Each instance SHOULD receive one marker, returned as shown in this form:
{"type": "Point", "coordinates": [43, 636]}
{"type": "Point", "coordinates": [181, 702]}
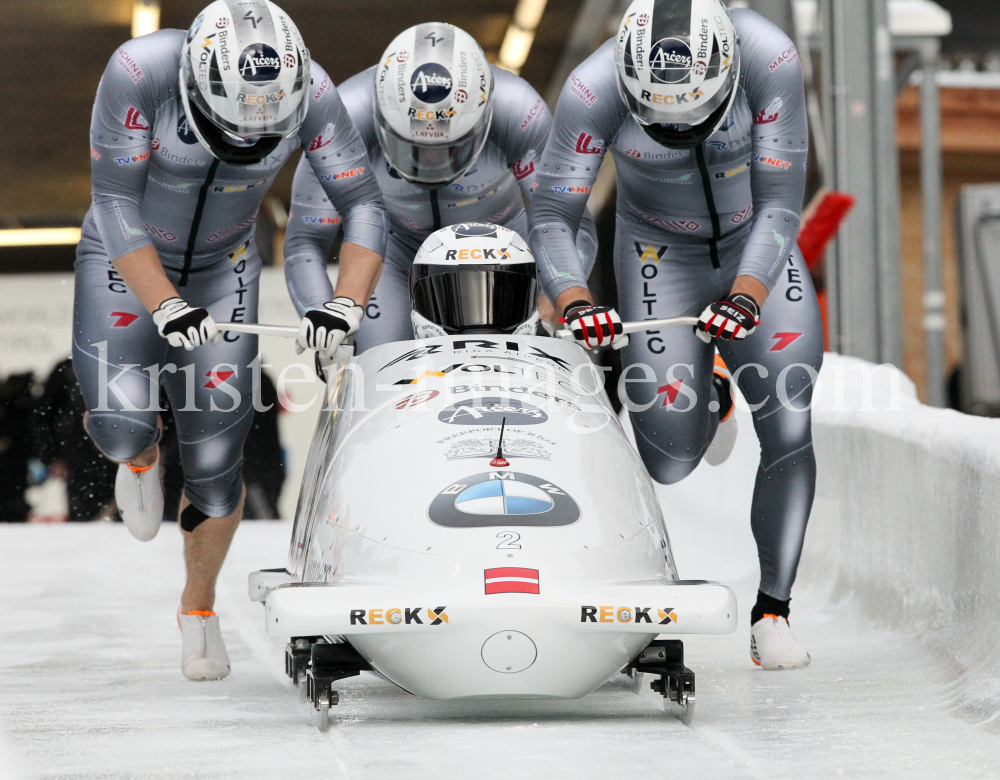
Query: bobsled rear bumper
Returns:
{"type": "Point", "coordinates": [305, 609]}
{"type": "Point", "coordinates": [443, 642]}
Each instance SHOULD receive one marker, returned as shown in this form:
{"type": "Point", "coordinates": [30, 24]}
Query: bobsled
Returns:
{"type": "Point", "coordinates": [474, 523]}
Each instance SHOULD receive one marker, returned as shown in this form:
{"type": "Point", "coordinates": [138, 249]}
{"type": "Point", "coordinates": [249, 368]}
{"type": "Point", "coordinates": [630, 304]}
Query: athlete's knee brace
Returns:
{"type": "Point", "coordinates": [192, 517]}
{"type": "Point", "coordinates": [121, 436]}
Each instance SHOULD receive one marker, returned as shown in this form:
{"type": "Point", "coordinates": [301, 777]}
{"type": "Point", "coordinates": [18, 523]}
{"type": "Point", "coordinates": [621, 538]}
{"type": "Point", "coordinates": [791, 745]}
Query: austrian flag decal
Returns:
{"type": "Point", "coordinates": [511, 580]}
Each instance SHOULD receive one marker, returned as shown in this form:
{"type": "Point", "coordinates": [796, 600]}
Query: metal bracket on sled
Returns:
{"type": "Point", "coordinates": [315, 665]}
{"type": "Point", "coordinates": [664, 658]}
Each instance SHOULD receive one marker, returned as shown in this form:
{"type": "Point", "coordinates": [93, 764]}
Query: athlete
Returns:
{"type": "Point", "coordinates": [452, 140]}
{"type": "Point", "coordinates": [704, 113]}
{"type": "Point", "coordinates": [188, 132]}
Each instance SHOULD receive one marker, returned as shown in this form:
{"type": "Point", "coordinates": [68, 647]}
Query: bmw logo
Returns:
{"type": "Point", "coordinates": [503, 498]}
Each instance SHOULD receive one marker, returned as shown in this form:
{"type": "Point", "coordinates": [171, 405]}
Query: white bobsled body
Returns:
{"type": "Point", "coordinates": [457, 578]}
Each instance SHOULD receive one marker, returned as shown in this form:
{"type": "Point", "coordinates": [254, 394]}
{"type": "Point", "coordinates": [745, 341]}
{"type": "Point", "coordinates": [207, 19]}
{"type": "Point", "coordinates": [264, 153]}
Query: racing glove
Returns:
{"type": "Point", "coordinates": [595, 326]}
{"type": "Point", "coordinates": [183, 326]}
{"type": "Point", "coordinates": [324, 329]}
{"type": "Point", "coordinates": [734, 318]}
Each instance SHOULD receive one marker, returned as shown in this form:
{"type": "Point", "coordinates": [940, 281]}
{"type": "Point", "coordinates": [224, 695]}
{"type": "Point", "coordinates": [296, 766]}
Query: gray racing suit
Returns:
{"type": "Point", "coordinates": [493, 191]}
{"type": "Point", "coordinates": [689, 221]}
{"type": "Point", "coordinates": [154, 184]}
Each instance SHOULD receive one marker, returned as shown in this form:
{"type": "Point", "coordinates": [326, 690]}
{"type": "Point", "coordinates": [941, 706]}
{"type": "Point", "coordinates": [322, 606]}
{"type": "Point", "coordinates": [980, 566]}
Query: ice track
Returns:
{"type": "Point", "coordinates": [90, 685]}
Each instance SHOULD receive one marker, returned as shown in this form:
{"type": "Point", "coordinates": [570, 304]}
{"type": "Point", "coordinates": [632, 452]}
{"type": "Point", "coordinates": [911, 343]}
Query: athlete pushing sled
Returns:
{"type": "Point", "coordinates": [703, 110]}
{"type": "Point", "coordinates": [188, 132]}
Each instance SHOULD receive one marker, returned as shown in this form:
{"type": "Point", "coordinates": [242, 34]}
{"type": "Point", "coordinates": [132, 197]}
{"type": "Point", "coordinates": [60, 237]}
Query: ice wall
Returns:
{"type": "Point", "coordinates": [907, 520]}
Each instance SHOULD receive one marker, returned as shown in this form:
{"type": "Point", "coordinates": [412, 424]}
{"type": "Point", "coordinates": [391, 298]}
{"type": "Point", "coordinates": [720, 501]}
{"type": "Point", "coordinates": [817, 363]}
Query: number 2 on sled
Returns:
{"type": "Point", "coordinates": [508, 540]}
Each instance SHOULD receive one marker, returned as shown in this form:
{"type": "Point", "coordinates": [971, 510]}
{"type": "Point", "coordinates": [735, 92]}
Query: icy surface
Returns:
{"type": "Point", "coordinates": [90, 682]}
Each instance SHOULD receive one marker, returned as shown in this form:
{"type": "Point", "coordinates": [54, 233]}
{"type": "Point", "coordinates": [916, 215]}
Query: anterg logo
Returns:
{"type": "Point", "coordinates": [670, 61]}
{"type": "Point", "coordinates": [184, 131]}
{"type": "Point", "coordinates": [259, 64]}
{"type": "Point", "coordinates": [431, 82]}
{"type": "Point", "coordinates": [492, 411]}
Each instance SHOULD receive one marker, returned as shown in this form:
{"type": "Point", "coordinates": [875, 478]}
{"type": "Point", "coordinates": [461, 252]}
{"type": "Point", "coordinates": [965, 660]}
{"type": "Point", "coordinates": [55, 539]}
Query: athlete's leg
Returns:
{"type": "Point", "coordinates": [788, 346]}
{"type": "Point", "coordinates": [116, 354]}
{"type": "Point", "coordinates": [205, 550]}
{"type": "Point", "coordinates": [666, 373]}
{"type": "Point", "coordinates": [212, 397]}
{"type": "Point", "coordinates": [387, 316]}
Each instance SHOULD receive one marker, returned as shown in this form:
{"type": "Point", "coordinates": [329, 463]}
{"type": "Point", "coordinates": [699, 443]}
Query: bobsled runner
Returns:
{"type": "Point", "coordinates": [472, 523]}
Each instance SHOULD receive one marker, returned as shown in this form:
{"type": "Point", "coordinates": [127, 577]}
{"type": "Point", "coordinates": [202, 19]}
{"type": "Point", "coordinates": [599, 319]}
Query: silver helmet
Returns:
{"type": "Point", "coordinates": [244, 79]}
{"type": "Point", "coordinates": [433, 106]}
{"type": "Point", "coordinates": [678, 64]}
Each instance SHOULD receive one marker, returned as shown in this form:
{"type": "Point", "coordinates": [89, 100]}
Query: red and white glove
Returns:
{"type": "Point", "coordinates": [732, 319]}
{"type": "Point", "coordinates": [324, 329]}
{"type": "Point", "coordinates": [595, 326]}
{"type": "Point", "coordinates": [184, 326]}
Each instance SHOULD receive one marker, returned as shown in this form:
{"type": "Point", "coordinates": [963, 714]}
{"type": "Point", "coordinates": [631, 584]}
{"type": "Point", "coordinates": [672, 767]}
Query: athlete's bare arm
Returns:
{"type": "Point", "coordinates": [143, 273]}
{"type": "Point", "coordinates": [358, 273]}
{"type": "Point", "coordinates": [750, 285]}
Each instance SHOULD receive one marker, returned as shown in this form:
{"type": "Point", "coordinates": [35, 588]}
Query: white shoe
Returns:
{"type": "Point", "coordinates": [773, 645]}
{"type": "Point", "coordinates": [139, 495]}
{"type": "Point", "coordinates": [204, 655]}
{"type": "Point", "coordinates": [721, 448]}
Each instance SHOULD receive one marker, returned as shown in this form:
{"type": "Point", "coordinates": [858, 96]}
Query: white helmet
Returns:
{"type": "Point", "coordinates": [432, 103]}
{"type": "Point", "coordinates": [473, 278]}
{"type": "Point", "coordinates": [678, 63]}
{"type": "Point", "coordinates": [244, 78]}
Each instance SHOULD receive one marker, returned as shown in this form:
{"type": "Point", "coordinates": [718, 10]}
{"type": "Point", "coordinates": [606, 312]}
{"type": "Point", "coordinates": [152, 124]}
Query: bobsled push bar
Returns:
{"type": "Point", "coordinates": [282, 331]}
{"type": "Point", "coordinates": [637, 327]}
{"type": "Point", "coordinates": [291, 331]}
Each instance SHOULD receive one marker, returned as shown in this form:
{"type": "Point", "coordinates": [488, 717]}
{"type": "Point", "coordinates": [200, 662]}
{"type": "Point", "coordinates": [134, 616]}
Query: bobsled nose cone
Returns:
{"type": "Point", "coordinates": [508, 652]}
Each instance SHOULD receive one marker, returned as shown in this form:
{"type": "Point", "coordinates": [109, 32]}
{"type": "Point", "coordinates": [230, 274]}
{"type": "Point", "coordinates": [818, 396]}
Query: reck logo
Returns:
{"type": "Point", "coordinates": [432, 115]}
{"type": "Point", "coordinates": [664, 616]}
{"type": "Point", "coordinates": [477, 254]}
{"type": "Point", "coordinates": [394, 616]}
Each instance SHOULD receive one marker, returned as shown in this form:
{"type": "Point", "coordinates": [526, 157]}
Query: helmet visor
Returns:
{"type": "Point", "coordinates": [474, 299]}
{"type": "Point", "coordinates": [257, 115]}
{"type": "Point", "coordinates": [432, 164]}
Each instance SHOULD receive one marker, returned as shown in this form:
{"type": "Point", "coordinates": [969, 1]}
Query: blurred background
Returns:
{"type": "Point", "coordinates": [905, 120]}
